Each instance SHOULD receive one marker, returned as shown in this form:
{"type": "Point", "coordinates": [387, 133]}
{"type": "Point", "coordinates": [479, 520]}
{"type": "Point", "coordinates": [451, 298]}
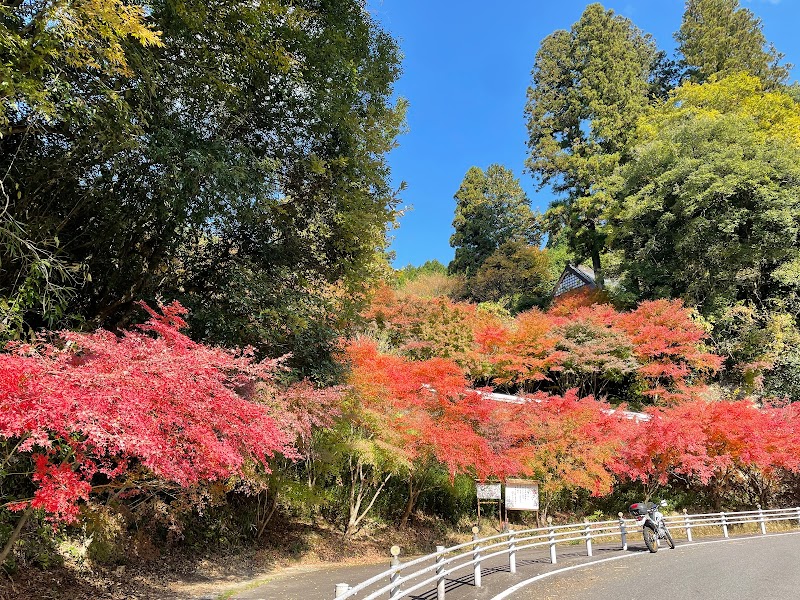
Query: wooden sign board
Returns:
{"type": "Point", "coordinates": [488, 491]}
{"type": "Point", "coordinates": [522, 494]}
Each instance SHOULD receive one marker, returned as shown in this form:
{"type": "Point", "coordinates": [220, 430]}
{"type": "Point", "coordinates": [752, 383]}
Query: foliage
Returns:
{"type": "Point", "coordinates": [669, 346]}
{"type": "Point", "coordinates": [426, 407]}
{"type": "Point", "coordinates": [708, 207]}
{"type": "Point", "coordinates": [423, 328]}
{"type": "Point", "coordinates": [60, 62]}
{"type": "Point", "coordinates": [430, 280]}
{"type": "Point", "coordinates": [565, 443]}
{"type": "Point", "coordinates": [248, 156]}
{"type": "Point", "coordinates": [656, 352]}
{"type": "Point", "coordinates": [491, 209]}
{"type": "Point", "coordinates": [703, 441]}
{"type": "Point", "coordinates": [90, 408]}
{"type": "Point", "coordinates": [516, 275]}
{"type": "Point", "coordinates": [46, 44]}
{"type": "Point", "coordinates": [410, 273]}
{"type": "Point", "coordinates": [589, 85]}
{"type": "Point", "coordinates": [719, 37]}
{"type": "Point", "coordinates": [412, 416]}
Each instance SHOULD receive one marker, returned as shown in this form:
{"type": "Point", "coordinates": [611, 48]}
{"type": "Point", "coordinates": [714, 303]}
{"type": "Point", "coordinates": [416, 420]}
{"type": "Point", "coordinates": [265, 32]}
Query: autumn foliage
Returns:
{"type": "Point", "coordinates": [89, 407]}
{"type": "Point", "coordinates": [88, 413]}
{"type": "Point", "coordinates": [581, 342]}
{"type": "Point", "coordinates": [566, 365]}
{"type": "Point", "coordinates": [426, 409]}
{"type": "Point", "coordinates": [705, 441]}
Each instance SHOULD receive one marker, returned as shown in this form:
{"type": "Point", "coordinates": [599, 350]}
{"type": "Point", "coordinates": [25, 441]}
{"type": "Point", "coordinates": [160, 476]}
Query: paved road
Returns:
{"type": "Point", "coordinates": [759, 568]}
{"type": "Point", "coordinates": [762, 567]}
{"type": "Point", "coordinates": [310, 584]}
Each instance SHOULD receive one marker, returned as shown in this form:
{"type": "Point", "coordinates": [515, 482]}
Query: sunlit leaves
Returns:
{"type": "Point", "coordinates": [719, 37]}
{"type": "Point", "coordinates": [708, 208]}
{"type": "Point", "coordinates": [95, 405]}
{"type": "Point", "coordinates": [41, 38]}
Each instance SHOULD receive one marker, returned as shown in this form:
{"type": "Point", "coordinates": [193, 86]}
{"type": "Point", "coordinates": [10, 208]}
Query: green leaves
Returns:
{"type": "Point", "coordinates": [491, 209]}
{"type": "Point", "coordinates": [46, 45]}
{"type": "Point", "coordinates": [718, 37]}
{"type": "Point", "coordinates": [238, 164]}
{"type": "Point", "coordinates": [589, 86]}
{"type": "Point", "coordinates": [709, 206]}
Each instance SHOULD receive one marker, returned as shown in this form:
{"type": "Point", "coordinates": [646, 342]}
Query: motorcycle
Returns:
{"type": "Point", "coordinates": [653, 526]}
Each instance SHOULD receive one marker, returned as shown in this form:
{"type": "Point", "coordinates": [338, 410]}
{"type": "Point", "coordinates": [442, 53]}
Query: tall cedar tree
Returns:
{"type": "Point", "coordinates": [589, 86]}
{"type": "Point", "coordinates": [718, 37]}
{"type": "Point", "coordinates": [491, 209]}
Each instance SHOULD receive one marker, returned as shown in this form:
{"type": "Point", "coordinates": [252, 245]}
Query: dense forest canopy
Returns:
{"type": "Point", "coordinates": [230, 155]}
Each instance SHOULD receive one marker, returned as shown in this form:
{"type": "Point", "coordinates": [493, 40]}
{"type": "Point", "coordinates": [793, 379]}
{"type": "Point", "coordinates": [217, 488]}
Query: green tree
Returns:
{"type": "Point", "coordinates": [60, 63]}
{"type": "Point", "coordinates": [710, 206]}
{"type": "Point", "coordinates": [718, 37]}
{"type": "Point", "coordinates": [516, 275]}
{"type": "Point", "coordinates": [246, 177]}
{"type": "Point", "coordinates": [51, 51]}
{"type": "Point", "coordinates": [411, 273]}
{"type": "Point", "coordinates": [491, 209]}
{"type": "Point", "coordinates": [431, 280]}
{"type": "Point", "coordinates": [589, 86]}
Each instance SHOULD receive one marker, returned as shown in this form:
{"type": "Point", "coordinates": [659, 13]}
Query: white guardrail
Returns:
{"type": "Point", "coordinates": [433, 569]}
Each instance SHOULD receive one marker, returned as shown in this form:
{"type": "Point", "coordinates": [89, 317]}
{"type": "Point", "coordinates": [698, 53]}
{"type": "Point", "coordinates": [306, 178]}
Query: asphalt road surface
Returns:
{"type": "Point", "coordinates": [757, 568]}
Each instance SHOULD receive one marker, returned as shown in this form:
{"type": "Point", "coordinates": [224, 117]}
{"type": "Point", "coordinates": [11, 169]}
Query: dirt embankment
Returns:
{"type": "Point", "coordinates": [175, 574]}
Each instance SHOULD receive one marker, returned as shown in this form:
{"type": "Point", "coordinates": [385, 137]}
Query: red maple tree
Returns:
{"type": "Point", "coordinates": [86, 408]}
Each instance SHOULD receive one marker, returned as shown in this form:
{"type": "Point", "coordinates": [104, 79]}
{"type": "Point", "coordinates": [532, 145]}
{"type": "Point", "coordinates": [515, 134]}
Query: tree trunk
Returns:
{"type": "Point", "coordinates": [356, 514]}
{"type": "Point", "coordinates": [597, 266]}
{"type": "Point", "coordinates": [15, 534]}
{"type": "Point", "coordinates": [270, 506]}
{"type": "Point", "coordinates": [413, 496]}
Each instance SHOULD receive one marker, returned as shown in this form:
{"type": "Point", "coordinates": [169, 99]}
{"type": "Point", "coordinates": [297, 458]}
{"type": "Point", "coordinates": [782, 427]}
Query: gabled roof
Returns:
{"type": "Point", "coordinates": [573, 278]}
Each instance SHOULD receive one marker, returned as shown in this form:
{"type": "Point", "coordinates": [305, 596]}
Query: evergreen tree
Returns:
{"type": "Point", "coordinates": [718, 37]}
{"type": "Point", "coordinates": [589, 86]}
{"type": "Point", "coordinates": [491, 209]}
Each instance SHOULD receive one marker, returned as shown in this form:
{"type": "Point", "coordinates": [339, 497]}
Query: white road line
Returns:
{"type": "Point", "coordinates": [522, 584]}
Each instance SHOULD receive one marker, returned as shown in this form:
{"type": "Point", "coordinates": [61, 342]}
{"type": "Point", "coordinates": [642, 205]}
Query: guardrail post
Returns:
{"type": "Point", "coordinates": [798, 515]}
{"type": "Point", "coordinates": [552, 541]}
{"type": "Point", "coordinates": [623, 532]}
{"type": "Point", "coordinates": [587, 532]}
{"type": "Point", "coordinates": [476, 557]}
{"type": "Point", "coordinates": [394, 591]}
{"type": "Point", "coordinates": [512, 553]}
{"type": "Point", "coordinates": [341, 590]}
{"type": "Point", "coordinates": [761, 520]}
{"type": "Point", "coordinates": [439, 568]}
{"type": "Point", "coordinates": [687, 525]}
{"type": "Point", "coordinates": [724, 524]}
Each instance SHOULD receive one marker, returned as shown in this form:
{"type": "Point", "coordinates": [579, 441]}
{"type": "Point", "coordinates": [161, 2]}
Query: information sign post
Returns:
{"type": "Point", "coordinates": [488, 493]}
{"type": "Point", "coordinates": [522, 494]}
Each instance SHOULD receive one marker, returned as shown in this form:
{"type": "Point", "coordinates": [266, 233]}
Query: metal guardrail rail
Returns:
{"type": "Point", "coordinates": [402, 579]}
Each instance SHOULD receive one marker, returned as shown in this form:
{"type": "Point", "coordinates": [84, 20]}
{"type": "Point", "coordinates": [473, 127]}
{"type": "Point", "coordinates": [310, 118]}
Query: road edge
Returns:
{"type": "Point", "coordinates": [518, 586]}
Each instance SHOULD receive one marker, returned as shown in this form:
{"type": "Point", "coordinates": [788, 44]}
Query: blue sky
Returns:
{"type": "Point", "coordinates": [466, 69]}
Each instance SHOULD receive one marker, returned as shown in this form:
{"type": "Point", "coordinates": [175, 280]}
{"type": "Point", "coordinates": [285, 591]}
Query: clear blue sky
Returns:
{"type": "Point", "coordinates": [466, 69]}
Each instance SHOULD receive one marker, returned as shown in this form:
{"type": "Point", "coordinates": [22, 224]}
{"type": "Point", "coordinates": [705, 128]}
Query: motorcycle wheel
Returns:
{"type": "Point", "coordinates": [650, 539]}
{"type": "Point", "coordinates": [668, 535]}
